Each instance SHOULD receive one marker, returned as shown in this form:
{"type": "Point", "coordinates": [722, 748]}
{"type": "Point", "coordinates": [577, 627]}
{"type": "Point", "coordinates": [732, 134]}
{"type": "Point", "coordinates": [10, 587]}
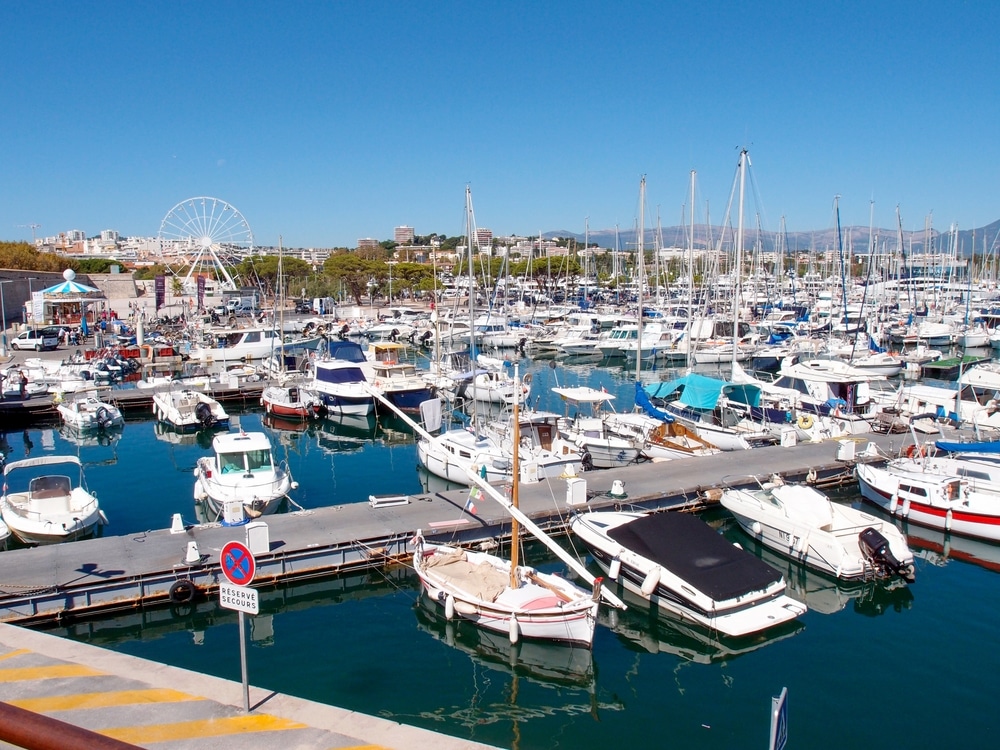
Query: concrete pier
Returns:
{"type": "Point", "coordinates": [147, 704]}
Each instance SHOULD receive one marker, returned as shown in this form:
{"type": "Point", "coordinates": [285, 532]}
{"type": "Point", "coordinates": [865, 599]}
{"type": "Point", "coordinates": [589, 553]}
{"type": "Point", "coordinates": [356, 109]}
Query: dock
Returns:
{"type": "Point", "coordinates": [57, 692]}
{"type": "Point", "coordinates": [181, 565]}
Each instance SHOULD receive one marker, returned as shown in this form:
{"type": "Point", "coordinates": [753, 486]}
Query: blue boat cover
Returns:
{"type": "Point", "coordinates": [987, 446]}
{"type": "Point", "coordinates": [700, 392]}
{"type": "Point", "coordinates": [643, 402]}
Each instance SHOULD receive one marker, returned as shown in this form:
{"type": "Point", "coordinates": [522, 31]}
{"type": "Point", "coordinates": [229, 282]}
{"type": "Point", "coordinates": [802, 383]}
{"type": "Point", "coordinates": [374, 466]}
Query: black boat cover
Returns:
{"type": "Point", "coordinates": [692, 550]}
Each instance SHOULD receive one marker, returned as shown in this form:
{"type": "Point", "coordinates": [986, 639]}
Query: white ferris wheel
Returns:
{"type": "Point", "coordinates": [206, 233]}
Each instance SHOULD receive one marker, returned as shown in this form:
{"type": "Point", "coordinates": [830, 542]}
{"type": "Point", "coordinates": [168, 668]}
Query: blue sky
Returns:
{"type": "Point", "coordinates": [325, 122]}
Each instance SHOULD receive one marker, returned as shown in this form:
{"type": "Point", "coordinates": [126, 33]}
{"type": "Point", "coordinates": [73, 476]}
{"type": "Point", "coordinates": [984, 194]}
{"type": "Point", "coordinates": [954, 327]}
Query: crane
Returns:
{"type": "Point", "coordinates": [32, 227]}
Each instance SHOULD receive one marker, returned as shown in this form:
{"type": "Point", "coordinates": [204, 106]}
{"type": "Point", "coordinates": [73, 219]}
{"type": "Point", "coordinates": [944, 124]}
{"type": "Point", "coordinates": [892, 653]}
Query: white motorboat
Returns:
{"type": "Point", "coordinates": [683, 566]}
{"type": "Point", "coordinates": [240, 480]}
{"type": "Point", "coordinates": [544, 453]}
{"type": "Point", "coordinates": [189, 410]}
{"type": "Point", "coordinates": [243, 344]}
{"type": "Point", "coordinates": [41, 507]}
{"type": "Point", "coordinates": [803, 524]}
{"type": "Point", "coordinates": [940, 501]}
{"type": "Point", "coordinates": [89, 413]}
{"type": "Point", "coordinates": [589, 432]}
{"type": "Point", "coordinates": [289, 399]}
{"type": "Point", "coordinates": [339, 380]}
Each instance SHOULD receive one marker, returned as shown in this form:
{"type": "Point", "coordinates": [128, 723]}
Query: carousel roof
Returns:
{"type": "Point", "coordinates": [69, 287]}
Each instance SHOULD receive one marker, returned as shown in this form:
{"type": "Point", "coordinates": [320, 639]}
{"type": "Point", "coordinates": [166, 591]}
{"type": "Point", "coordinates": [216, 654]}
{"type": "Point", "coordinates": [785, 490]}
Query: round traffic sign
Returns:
{"type": "Point", "coordinates": [238, 565]}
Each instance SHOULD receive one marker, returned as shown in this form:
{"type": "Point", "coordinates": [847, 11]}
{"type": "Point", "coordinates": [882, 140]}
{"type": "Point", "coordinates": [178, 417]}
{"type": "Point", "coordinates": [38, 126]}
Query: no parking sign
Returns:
{"type": "Point", "coordinates": [238, 564]}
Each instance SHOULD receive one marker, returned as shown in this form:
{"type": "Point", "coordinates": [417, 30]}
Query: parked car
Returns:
{"type": "Point", "coordinates": [303, 307]}
{"type": "Point", "coordinates": [40, 339]}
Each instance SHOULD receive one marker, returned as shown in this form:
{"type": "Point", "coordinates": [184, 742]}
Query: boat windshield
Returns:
{"type": "Point", "coordinates": [255, 460]}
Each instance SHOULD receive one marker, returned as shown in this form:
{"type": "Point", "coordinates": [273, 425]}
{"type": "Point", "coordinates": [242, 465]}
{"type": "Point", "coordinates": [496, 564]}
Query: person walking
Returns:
{"type": "Point", "coordinates": [23, 380]}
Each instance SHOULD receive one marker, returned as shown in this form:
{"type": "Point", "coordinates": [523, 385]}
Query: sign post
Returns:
{"type": "Point", "coordinates": [239, 568]}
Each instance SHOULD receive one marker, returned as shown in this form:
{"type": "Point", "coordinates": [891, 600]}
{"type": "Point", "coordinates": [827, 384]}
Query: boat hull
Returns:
{"type": "Point", "coordinates": [542, 607]}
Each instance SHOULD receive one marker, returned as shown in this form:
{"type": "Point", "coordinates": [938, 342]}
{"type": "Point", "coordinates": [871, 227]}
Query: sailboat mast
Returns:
{"type": "Point", "coordinates": [739, 260]}
{"type": "Point", "coordinates": [515, 480]}
{"type": "Point", "coordinates": [472, 295]}
{"type": "Point", "coordinates": [691, 321]}
{"type": "Point", "coordinates": [640, 265]}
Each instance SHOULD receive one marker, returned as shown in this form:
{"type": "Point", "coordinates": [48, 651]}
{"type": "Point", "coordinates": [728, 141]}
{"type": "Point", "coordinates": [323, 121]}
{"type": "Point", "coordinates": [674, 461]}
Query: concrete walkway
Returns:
{"type": "Point", "coordinates": [153, 705]}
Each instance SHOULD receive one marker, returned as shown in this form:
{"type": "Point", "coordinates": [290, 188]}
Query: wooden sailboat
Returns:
{"type": "Point", "coordinates": [501, 594]}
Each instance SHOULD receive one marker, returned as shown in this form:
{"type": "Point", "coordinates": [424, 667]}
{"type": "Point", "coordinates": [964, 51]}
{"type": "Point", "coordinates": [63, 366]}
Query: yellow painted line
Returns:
{"type": "Point", "coordinates": [16, 652]}
{"type": "Point", "coordinates": [47, 672]}
{"type": "Point", "coordinates": [101, 700]}
{"type": "Point", "coordinates": [187, 730]}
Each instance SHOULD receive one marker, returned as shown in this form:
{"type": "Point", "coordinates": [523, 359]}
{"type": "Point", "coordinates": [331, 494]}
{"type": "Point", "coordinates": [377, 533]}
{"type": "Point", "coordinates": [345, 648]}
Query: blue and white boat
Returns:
{"type": "Point", "coordinates": [339, 380]}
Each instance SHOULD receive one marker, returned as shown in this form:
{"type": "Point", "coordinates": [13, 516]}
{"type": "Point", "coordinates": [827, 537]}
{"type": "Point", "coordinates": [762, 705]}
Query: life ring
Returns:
{"type": "Point", "coordinates": [805, 421]}
{"type": "Point", "coordinates": [182, 591]}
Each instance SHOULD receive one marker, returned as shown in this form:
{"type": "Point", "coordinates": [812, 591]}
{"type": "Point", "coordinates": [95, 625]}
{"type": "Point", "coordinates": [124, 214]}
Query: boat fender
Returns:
{"type": "Point", "coordinates": [182, 591]}
{"type": "Point", "coordinates": [515, 629]}
{"type": "Point", "coordinates": [755, 527]}
{"type": "Point", "coordinates": [893, 503]}
{"type": "Point", "coordinates": [651, 581]}
{"type": "Point", "coordinates": [615, 569]}
{"type": "Point", "coordinates": [805, 421]}
{"type": "Point", "coordinates": [449, 607]}
{"type": "Point", "coordinates": [947, 520]}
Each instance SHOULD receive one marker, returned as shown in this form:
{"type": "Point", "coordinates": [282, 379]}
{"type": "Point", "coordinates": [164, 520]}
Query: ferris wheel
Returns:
{"type": "Point", "coordinates": [206, 233]}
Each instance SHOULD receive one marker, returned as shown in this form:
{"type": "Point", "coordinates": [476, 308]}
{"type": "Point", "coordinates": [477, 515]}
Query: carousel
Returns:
{"type": "Point", "coordinates": [71, 303]}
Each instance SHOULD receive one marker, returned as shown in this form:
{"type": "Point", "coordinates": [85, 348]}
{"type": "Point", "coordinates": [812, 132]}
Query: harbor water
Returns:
{"type": "Point", "coordinates": [906, 666]}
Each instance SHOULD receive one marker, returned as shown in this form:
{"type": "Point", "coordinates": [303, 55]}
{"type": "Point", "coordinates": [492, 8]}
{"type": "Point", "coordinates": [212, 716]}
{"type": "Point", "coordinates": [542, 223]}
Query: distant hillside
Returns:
{"type": "Point", "coordinates": [817, 240]}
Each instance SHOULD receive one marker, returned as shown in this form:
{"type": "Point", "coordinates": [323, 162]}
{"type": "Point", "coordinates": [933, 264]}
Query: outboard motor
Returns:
{"type": "Point", "coordinates": [393, 334]}
{"type": "Point", "coordinates": [875, 548]}
{"type": "Point", "coordinates": [425, 337]}
{"type": "Point", "coordinates": [344, 330]}
{"type": "Point", "coordinates": [203, 412]}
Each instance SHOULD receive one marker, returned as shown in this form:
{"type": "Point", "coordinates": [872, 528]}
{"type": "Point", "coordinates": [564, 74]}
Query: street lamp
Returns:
{"type": "Point", "coordinates": [31, 302]}
{"type": "Point", "coordinates": [3, 314]}
{"type": "Point", "coordinates": [391, 263]}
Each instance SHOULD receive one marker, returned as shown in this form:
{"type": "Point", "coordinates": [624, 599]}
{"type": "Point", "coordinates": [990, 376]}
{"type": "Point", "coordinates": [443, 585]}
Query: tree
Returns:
{"type": "Point", "coordinates": [353, 271]}
{"type": "Point", "coordinates": [24, 256]}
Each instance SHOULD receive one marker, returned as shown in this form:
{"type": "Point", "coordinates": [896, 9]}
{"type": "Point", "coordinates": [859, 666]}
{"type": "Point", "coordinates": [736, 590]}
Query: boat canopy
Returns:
{"type": "Point", "coordinates": [347, 351]}
{"type": "Point", "coordinates": [982, 446]}
{"type": "Point", "coordinates": [583, 395]}
{"type": "Point", "coordinates": [692, 550]}
{"type": "Point", "coordinates": [701, 392]}
{"type": "Point", "coordinates": [41, 461]}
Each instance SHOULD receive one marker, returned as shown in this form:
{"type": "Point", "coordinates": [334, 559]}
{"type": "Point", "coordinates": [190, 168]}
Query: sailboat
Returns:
{"type": "Point", "coordinates": [287, 398]}
{"type": "Point", "coordinates": [501, 594]}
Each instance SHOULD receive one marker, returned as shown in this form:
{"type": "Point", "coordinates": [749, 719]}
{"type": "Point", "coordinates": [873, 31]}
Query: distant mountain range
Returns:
{"type": "Point", "coordinates": [855, 237]}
